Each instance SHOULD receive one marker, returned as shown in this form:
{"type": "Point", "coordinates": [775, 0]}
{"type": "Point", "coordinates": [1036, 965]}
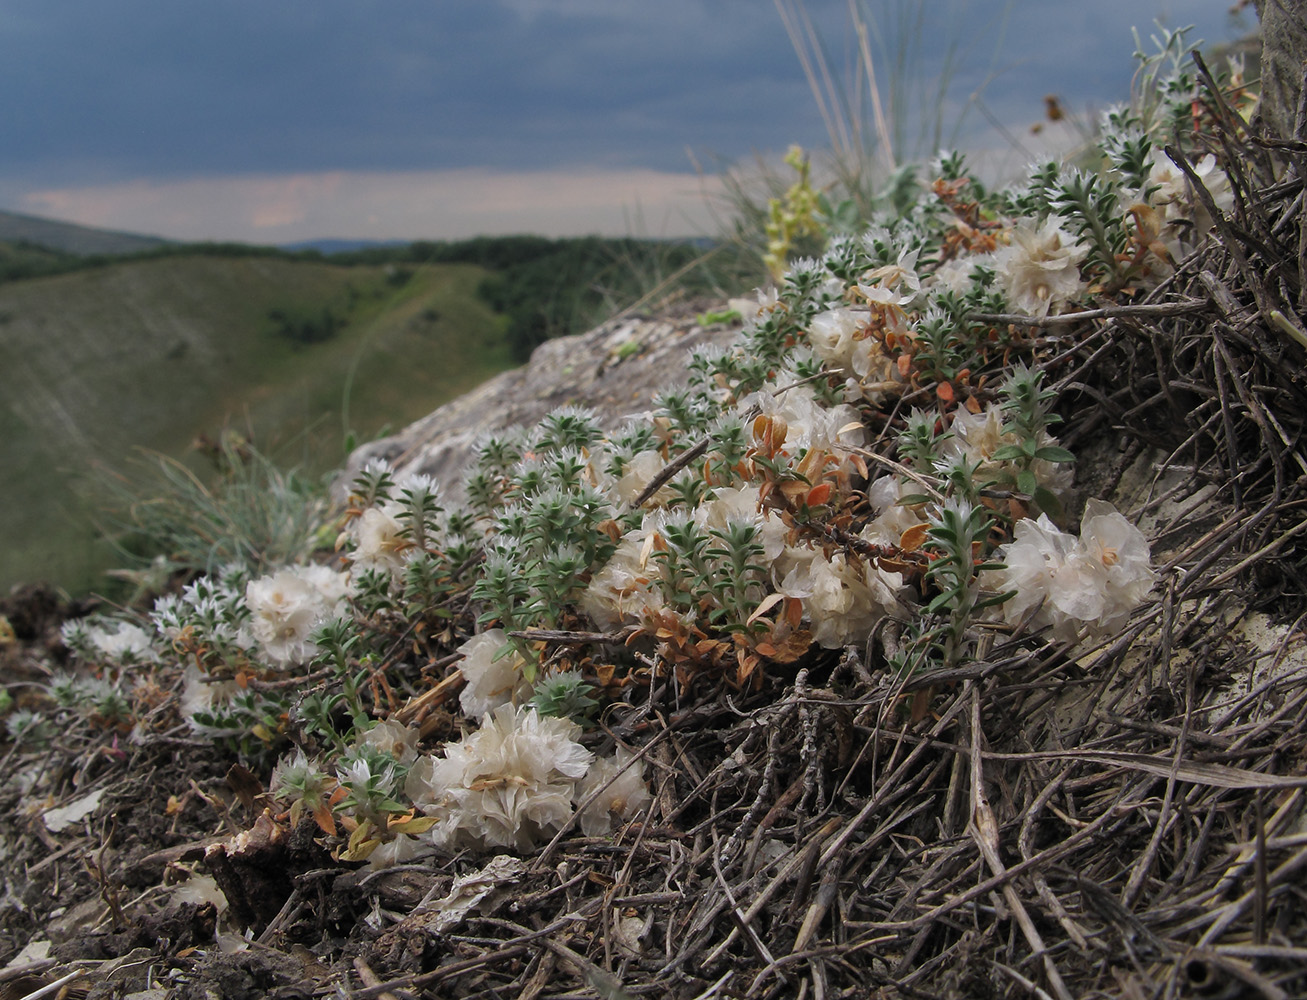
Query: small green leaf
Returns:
{"type": "Point", "coordinates": [993, 599]}
{"type": "Point", "coordinates": [1049, 503]}
{"type": "Point", "coordinates": [943, 602]}
{"type": "Point", "coordinates": [1007, 453]}
{"type": "Point", "coordinates": [1052, 453]}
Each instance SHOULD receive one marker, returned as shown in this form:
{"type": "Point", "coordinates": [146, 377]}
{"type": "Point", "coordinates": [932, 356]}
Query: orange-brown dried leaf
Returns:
{"type": "Point", "coordinates": [793, 611]}
{"type": "Point", "coordinates": [326, 820]}
{"type": "Point", "coordinates": [792, 489]}
{"type": "Point", "coordinates": [914, 537]}
{"type": "Point", "coordinates": [819, 494]}
{"type": "Point", "coordinates": [788, 649]}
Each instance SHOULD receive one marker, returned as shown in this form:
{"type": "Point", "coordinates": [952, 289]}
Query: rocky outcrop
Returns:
{"type": "Point", "coordinates": [1284, 57]}
{"type": "Point", "coordinates": [615, 369]}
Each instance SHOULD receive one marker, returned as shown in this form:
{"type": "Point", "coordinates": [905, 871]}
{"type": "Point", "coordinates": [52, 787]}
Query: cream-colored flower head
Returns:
{"type": "Point", "coordinates": [122, 642]}
{"type": "Point", "coordinates": [286, 606]}
{"type": "Point", "coordinates": [842, 597]}
{"type": "Point", "coordinates": [509, 784]}
{"type": "Point", "coordinates": [1040, 270]}
{"type": "Point", "coordinates": [201, 694]}
{"type": "Point", "coordinates": [1034, 561]}
{"type": "Point", "coordinates": [731, 503]}
{"type": "Point", "coordinates": [493, 674]}
{"type": "Point", "coordinates": [955, 275]}
{"type": "Point", "coordinates": [394, 738]}
{"type": "Point", "coordinates": [1114, 547]}
{"type": "Point", "coordinates": [831, 335]}
{"type": "Point", "coordinates": [808, 423]}
{"type": "Point", "coordinates": [623, 590]}
{"type": "Point", "coordinates": [332, 587]}
{"type": "Point", "coordinates": [976, 436]}
{"type": "Point", "coordinates": [621, 800]}
{"type": "Point", "coordinates": [639, 472]}
{"type": "Point", "coordinates": [892, 518]}
{"type": "Point", "coordinates": [378, 542]}
{"type": "Point", "coordinates": [1175, 195]}
{"type": "Point", "coordinates": [1092, 582]}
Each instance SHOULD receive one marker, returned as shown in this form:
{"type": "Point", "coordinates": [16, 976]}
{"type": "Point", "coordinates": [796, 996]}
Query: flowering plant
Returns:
{"type": "Point", "coordinates": [876, 447]}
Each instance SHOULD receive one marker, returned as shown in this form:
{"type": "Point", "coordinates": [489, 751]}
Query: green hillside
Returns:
{"type": "Point", "coordinates": [153, 352]}
{"type": "Point", "coordinates": [71, 238]}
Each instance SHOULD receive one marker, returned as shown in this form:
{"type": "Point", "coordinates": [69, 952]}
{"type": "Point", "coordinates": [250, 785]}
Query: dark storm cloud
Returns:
{"type": "Point", "coordinates": [148, 95]}
{"type": "Point", "coordinates": [156, 85]}
{"type": "Point", "coordinates": [166, 88]}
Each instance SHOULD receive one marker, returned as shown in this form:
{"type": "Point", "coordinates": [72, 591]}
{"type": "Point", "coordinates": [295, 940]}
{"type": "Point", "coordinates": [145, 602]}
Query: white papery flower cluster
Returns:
{"type": "Point", "coordinates": [839, 337]}
{"type": "Point", "coordinates": [621, 792]}
{"type": "Point", "coordinates": [516, 780]}
{"type": "Point", "coordinates": [625, 589]}
{"type": "Point", "coordinates": [1175, 194]}
{"type": "Point", "coordinates": [108, 639]}
{"type": "Point", "coordinates": [392, 737]}
{"type": "Point", "coordinates": [958, 274]}
{"type": "Point", "coordinates": [493, 674]}
{"type": "Point", "coordinates": [1040, 270]}
{"type": "Point", "coordinates": [200, 694]}
{"type": "Point", "coordinates": [810, 425]}
{"type": "Point", "coordinates": [976, 436]}
{"type": "Point", "coordinates": [843, 596]}
{"type": "Point", "coordinates": [509, 784]}
{"type": "Point", "coordinates": [1092, 582]}
{"type": "Point", "coordinates": [377, 537]}
{"type": "Point", "coordinates": [286, 606]}
{"type": "Point", "coordinates": [639, 472]}
{"type": "Point", "coordinates": [378, 542]}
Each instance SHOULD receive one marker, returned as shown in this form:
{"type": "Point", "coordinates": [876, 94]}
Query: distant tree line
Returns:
{"type": "Point", "coordinates": [545, 287]}
{"type": "Point", "coordinates": [552, 287]}
{"type": "Point", "coordinates": [305, 327]}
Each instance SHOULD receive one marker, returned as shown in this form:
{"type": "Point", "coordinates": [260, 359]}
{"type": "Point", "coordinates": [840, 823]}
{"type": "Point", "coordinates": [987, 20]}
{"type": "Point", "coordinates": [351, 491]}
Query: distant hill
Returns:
{"type": "Point", "coordinates": [71, 238]}
{"type": "Point", "coordinates": [343, 246]}
{"type": "Point", "coordinates": [154, 352]}
{"type": "Point", "coordinates": [156, 345]}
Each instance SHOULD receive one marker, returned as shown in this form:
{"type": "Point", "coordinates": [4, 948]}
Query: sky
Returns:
{"type": "Point", "coordinates": [274, 121]}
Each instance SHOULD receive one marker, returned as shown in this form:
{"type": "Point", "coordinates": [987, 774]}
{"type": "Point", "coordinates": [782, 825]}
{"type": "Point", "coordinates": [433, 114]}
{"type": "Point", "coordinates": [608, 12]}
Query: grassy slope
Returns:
{"type": "Point", "coordinates": [71, 237]}
{"type": "Point", "coordinates": [151, 353]}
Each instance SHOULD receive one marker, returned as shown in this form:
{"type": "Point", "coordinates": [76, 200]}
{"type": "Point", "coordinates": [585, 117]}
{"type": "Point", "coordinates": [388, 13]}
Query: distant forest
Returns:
{"type": "Point", "coordinates": [545, 287]}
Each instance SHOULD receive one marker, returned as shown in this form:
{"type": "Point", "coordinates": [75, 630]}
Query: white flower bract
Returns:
{"type": "Point", "coordinates": [623, 589]}
{"type": "Point", "coordinates": [509, 784]}
{"type": "Point", "coordinates": [394, 738]}
{"type": "Point", "coordinates": [1175, 195]}
{"type": "Point", "coordinates": [1094, 581]}
{"type": "Point", "coordinates": [286, 606]}
{"type": "Point", "coordinates": [378, 541]}
{"type": "Point", "coordinates": [626, 796]}
{"type": "Point", "coordinates": [842, 597]}
{"type": "Point", "coordinates": [1040, 270]}
{"type": "Point", "coordinates": [493, 674]}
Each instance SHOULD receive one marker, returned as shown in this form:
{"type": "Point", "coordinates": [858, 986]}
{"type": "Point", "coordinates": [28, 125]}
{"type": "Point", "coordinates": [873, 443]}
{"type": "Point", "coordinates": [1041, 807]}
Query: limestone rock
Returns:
{"type": "Point", "coordinates": [1284, 52]}
{"type": "Point", "coordinates": [615, 369]}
